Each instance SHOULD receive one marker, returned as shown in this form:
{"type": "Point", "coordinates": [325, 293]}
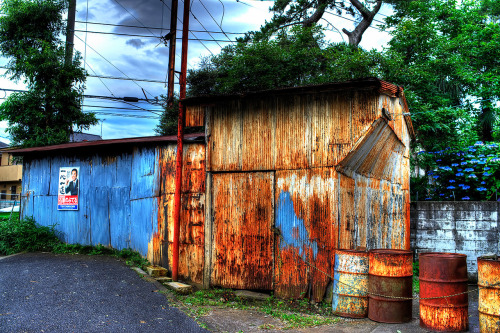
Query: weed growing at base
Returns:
{"type": "Point", "coordinates": [18, 235]}
{"type": "Point", "coordinates": [294, 313]}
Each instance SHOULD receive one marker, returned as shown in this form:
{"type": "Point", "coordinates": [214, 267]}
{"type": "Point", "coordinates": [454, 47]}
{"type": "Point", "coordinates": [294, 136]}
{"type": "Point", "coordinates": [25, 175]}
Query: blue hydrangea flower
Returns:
{"type": "Point", "coordinates": [472, 176]}
{"type": "Point", "coordinates": [454, 164]}
{"type": "Point", "coordinates": [460, 174]}
{"type": "Point", "coordinates": [481, 189]}
{"type": "Point", "coordinates": [428, 198]}
{"type": "Point", "coordinates": [438, 160]}
{"type": "Point", "coordinates": [486, 174]}
{"type": "Point", "coordinates": [479, 143]}
{"type": "Point", "coordinates": [481, 162]}
{"type": "Point", "coordinates": [450, 187]}
{"type": "Point", "coordinates": [490, 155]}
{"type": "Point", "coordinates": [459, 170]}
{"type": "Point", "coordinates": [474, 161]}
{"type": "Point", "coordinates": [496, 159]}
{"type": "Point", "coordinates": [452, 180]}
{"type": "Point", "coordinates": [435, 177]}
{"type": "Point", "coordinates": [441, 194]}
{"type": "Point", "coordinates": [465, 187]}
{"type": "Point", "coordinates": [463, 163]}
{"type": "Point", "coordinates": [469, 170]}
{"type": "Point", "coordinates": [487, 168]}
{"type": "Point", "coordinates": [481, 155]}
{"type": "Point", "coordinates": [465, 198]}
{"type": "Point", "coordinates": [430, 173]}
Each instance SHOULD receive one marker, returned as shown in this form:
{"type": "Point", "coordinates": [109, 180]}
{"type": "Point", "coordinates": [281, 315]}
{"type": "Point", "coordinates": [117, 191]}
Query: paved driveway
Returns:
{"type": "Point", "coordinates": [43, 292]}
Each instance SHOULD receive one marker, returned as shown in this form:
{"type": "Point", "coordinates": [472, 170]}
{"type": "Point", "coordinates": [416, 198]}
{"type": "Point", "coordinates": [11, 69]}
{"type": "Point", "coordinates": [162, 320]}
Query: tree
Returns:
{"type": "Point", "coordinates": [297, 57]}
{"type": "Point", "coordinates": [47, 112]}
{"type": "Point", "coordinates": [446, 54]}
{"type": "Point", "coordinates": [309, 12]}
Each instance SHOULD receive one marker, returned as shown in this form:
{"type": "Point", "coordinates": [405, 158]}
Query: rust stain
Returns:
{"type": "Point", "coordinates": [443, 274]}
{"type": "Point", "coordinates": [391, 262]}
{"type": "Point", "coordinates": [306, 211]}
{"type": "Point", "coordinates": [195, 116]}
{"type": "Point", "coordinates": [243, 238]}
{"type": "Point", "coordinates": [489, 294]}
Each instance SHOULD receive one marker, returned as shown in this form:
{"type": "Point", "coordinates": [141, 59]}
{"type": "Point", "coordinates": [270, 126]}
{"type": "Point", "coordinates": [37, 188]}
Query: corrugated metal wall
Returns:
{"type": "Point", "coordinates": [341, 180]}
{"type": "Point", "coordinates": [125, 201]}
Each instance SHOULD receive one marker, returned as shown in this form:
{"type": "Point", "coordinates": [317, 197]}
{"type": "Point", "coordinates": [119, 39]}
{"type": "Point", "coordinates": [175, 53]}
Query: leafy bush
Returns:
{"type": "Point", "coordinates": [472, 173]}
{"type": "Point", "coordinates": [25, 235]}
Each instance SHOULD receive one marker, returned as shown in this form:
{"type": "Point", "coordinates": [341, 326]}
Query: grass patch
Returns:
{"type": "Point", "coordinates": [294, 313]}
{"type": "Point", "coordinates": [18, 235]}
{"type": "Point", "coordinates": [416, 282]}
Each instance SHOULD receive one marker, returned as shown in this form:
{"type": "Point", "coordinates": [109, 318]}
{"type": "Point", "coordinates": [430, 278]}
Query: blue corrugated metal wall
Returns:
{"type": "Point", "coordinates": [118, 200]}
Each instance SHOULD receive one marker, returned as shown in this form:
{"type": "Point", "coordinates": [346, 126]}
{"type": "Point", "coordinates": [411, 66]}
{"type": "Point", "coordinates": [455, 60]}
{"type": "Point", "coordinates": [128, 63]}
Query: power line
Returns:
{"type": "Point", "coordinates": [153, 28]}
{"type": "Point", "coordinates": [178, 19]}
{"type": "Point", "coordinates": [113, 65]}
{"type": "Point", "coordinates": [134, 17]}
{"type": "Point", "coordinates": [148, 36]}
{"type": "Point", "coordinates": [111, 98]}
{"type": "Point", "coordinates": [122, 115]}
{"type": "Point", "coordinates": [220, 27]}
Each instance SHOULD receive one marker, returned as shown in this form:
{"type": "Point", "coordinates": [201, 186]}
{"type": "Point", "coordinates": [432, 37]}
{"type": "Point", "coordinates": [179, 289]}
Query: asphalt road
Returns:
{"type": "Point", "coordinates": [43, 292]}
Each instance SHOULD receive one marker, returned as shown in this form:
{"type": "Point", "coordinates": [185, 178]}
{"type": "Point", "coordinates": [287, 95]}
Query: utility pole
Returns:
{"type": "Point", "coordinates": [180, 137]}
{"type": "Point", "coordinates": [70, 32]}
{"type": "Point", "coordinates": [171, 52]}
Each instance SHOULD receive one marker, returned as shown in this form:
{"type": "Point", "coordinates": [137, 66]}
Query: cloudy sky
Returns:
{"type": "Point", "coordinates": [120, 39]}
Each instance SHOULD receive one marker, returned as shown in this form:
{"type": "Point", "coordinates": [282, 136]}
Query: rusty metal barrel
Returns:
{"type": "Point", "coordinates": [350, 284]}
{"type": "Point", "coordinates": [488, 274]}
{"type": "Point", "coordinates": [443, 274]}
{"type": "Point", "coordinates": [390, 285]}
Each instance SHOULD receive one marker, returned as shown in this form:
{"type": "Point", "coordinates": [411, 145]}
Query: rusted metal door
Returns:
{"type": "Point", "coordinates": [243, 215]}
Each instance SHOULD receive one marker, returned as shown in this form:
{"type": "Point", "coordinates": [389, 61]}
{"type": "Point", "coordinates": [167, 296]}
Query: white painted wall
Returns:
{"type": "Point", "coordinates": [469, 228]}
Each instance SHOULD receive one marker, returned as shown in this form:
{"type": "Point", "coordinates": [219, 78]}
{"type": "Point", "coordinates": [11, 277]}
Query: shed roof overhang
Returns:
{"type": "Point", "coordinates": [106, 144]}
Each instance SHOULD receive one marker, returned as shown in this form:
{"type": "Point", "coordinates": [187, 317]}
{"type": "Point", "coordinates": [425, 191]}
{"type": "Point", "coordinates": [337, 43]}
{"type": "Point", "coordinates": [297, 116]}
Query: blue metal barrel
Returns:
{"type": "Point", "coordinates": [350, 284]}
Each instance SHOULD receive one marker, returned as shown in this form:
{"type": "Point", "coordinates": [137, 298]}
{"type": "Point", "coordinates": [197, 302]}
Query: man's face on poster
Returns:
{"type": "Point", "coordinates": [73, 175]}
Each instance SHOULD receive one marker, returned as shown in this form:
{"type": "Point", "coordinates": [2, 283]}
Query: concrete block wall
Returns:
{"type": "Point", "coordinates": [469, 228]}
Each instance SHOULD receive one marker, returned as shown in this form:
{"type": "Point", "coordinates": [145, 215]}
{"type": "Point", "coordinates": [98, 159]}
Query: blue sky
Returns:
{"type": "Point", "coordinates": [137, 57]}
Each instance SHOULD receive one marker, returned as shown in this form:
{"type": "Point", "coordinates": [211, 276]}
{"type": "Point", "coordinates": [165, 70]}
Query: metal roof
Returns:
{"type": "Point", "coordinates": [104, 143]}
{"type": "Point", "coordinates": [365, 83]}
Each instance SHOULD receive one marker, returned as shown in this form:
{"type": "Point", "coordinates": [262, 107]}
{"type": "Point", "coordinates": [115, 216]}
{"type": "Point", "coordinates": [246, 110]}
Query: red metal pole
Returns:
{"type": "Point", "coordinates": [180, 137]}
{"type": "Point", "coordinates": [171, 53]}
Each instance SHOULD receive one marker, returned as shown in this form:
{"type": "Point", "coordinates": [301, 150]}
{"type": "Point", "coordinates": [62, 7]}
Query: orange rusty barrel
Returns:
{"type": "Point", "coordinates": [488, 274]}
{"type": "Point", "coordinates": [350, 284]}
{"type": "Point", "coordinates": [443, 274]}
{"type": "Point", "coordinates": [389, 285]}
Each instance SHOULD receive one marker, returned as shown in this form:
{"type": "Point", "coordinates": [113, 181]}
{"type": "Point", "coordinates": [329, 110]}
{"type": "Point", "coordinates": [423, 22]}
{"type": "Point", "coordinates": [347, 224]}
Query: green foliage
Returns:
{"type": "Point", "coordinates": [416, 281]}
{"type": "Point", "coordinates": [47, 112]}
{"type": "Point", "coordinates": [446, 55]}
{"type": "Point", "coordinates": [25, 235]}
{"type": "Point", "coordinates": [295, 313]}
{"type": "Point", "coordinates": [169, 120]}
{"type": "Point", "coordinates": [297, 57]}
{"type": "Point", "coordinates": [472, 173]}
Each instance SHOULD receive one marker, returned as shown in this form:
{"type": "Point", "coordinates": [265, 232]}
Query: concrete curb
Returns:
{"type": "Point", "coordinates": [148, 278]}
{"type": "Point", "coordinates": [12, 255]}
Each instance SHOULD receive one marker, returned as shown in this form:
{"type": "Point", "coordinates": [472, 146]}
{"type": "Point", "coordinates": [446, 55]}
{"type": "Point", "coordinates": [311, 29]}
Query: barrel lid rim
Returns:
{"type": "Point", "coordinates": [488, 259]}
{"type": "Point", "coordinates": [351, 251]}
{"type": "Point", "coordinates": [391, 251]}
{"type": "Point", "coordinates": [443, 255]}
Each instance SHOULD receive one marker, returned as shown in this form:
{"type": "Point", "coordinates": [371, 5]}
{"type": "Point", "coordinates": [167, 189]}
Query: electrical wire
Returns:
{"type": "Point", "coordinates": [139, 27]}
{"type": "Point", "coordinates": [219, 25]}
{"type": "Point", "coordinates": [134, 17]}
{"type": "Point", "coordinates": [178, 19]}
{"type": "Point", "coordinates": [113, 65]}
{"type": "Point", "coordinates": [148, 36]}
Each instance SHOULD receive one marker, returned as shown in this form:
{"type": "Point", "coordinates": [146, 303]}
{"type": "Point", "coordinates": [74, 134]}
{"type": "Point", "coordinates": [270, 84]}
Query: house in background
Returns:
{"type": "Point", "coordinates": [10, 177]}
{"type": "Point", "coordinates": [278, 181]}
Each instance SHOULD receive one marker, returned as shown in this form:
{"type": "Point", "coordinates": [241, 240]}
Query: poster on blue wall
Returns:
{"type": "Point", "coordinates": [69, 184]}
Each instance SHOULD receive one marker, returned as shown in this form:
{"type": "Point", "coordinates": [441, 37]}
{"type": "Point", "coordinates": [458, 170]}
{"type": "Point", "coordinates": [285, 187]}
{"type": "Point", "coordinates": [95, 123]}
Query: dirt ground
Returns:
{"type": "Point", "coordinates": [235, 320]}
